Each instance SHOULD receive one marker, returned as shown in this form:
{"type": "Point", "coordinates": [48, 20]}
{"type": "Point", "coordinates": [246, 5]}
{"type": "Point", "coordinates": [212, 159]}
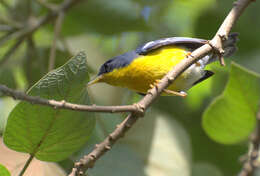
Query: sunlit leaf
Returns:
{"type": "Point", "coordinates": [232, 116]}
{"type": "Point", "coordinates": [4, 171]}
{"type": "Point", "coordinates": [47, 133]}
{"type": "Point", "coordinates": [6, 106]}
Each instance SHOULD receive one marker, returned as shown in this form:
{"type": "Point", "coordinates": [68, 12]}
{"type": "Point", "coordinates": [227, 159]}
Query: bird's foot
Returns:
{"type": "Point", "coordinates": [171, 92]}
{"type": "Point", "coordinates": [167, 91]}
{"type": "Point", "coordinates": [155, 84]}
{"type": "Point", "coordinates": [188, 54]}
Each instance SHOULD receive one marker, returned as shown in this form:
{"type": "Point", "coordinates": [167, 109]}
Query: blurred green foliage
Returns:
{"type": "Point", "coordinates": [170, 140]}
{"type": "Point", "coordinates": [4, 171]}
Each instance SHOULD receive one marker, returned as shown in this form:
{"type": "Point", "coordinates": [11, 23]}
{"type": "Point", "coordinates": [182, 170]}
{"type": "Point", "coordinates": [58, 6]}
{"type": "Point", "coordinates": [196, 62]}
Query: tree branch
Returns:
{"type": "Point", "coordinates": [57, 29]}
{"type": "Point", "coordinates": [215, 44]}
{"type": "Point", "coordinates": [65, 105]}
{"type": "Point", "coordinates": [251, 164]}
{"type": "Point", "coordinates": [11, 51]}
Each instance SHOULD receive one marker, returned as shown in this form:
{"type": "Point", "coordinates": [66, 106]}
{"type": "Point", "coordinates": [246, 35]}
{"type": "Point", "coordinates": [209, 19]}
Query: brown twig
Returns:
{"type": "Point", "coordinates": [65, 105]}
{"type": "Point", "coordinates": [65, 44]}
{"type": "Point", "coordinates": [251, 163]}
{"type": "Point", "coordinates": [57, 29]}
{"type": "Point", "coordinates": [89, 160]}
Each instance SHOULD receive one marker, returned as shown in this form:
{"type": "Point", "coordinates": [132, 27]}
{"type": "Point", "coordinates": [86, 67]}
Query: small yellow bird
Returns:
{"type": "Point", "coordinates": [140, 69]}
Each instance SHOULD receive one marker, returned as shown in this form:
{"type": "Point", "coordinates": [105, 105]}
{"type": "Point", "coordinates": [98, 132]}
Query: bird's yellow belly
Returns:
{"type": "Point", "coordinates": [145, 70]}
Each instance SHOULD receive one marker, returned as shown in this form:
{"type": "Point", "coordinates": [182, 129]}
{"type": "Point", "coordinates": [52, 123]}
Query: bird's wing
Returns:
{"type": "Point", "coordinates": [190, 43]}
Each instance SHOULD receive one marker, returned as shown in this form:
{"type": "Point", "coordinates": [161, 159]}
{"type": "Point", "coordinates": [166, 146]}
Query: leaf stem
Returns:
{"type": "Point", "coordinates": [26, 165]}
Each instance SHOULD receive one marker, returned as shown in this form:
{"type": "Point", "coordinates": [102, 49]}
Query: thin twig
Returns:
{"type": "Point", "coordinates": [89, 160]}
{"type": "Point", "coordinates": [47, 5]}
{"type": "Point", "coordinates": [65, 105]}
{"type": "Point", "coordinates": [26, 165]}
{"type": "Point", "coordinates": [5, 28]}
{"type": "Point", "coordinates": [251, 164]}
{"type": "Point", "coordinates": [31, 54]}
{"type": "Point", "coordinates": [11, 51]}
{"type": "Point", "coordinates": [65, 44]}
{"type": "Point", "coordinates": [57, 29]}
{"type": "Point", "coordinates": [9, 21]}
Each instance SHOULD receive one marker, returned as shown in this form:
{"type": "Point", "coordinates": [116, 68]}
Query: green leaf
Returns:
{"type": "Point", "coordinates": [232, 116]}
{"type": "Point", "coordinates": [47, 133]}
{"type": "Point", "coordinates": [4, 171]}
{"type": "Point", "coordinates": [203, 168]}
{"type": "Point", "coordinates": [6, 106]}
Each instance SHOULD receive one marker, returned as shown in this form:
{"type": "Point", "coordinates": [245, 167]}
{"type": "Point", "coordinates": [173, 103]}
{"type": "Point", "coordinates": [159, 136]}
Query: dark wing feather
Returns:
{"type": "Point", "coordinates": [190, 43]}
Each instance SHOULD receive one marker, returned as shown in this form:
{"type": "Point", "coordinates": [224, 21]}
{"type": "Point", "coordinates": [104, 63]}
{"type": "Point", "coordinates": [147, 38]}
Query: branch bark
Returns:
{"type": "Point", "coordinates": [251, 164]}
{"type": "Point", "coordinates": [215, 44]}
{"type": "Point", "coordinates": [65, 105]}
{"type": "Point", "coordinates": [57, 30]}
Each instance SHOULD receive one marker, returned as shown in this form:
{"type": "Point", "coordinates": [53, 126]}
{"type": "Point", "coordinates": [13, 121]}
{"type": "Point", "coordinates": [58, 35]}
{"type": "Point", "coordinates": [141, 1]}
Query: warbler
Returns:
{"type": "Point", "coordinates": [140, 69]}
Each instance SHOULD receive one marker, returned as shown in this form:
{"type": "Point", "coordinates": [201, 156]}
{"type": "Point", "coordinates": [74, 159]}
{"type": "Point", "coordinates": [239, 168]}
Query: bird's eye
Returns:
{"type": "Point", "coordinates": [106, 68]}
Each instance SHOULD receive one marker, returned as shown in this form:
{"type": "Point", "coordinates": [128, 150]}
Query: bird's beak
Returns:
{"type": "Point", "coordinates": [96, 80]}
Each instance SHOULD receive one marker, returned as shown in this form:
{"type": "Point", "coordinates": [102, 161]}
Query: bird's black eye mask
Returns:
{"type": "Point", "coordinates": [117, 62]}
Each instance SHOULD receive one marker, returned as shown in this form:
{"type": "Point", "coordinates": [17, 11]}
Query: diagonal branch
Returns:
{"type": "Point", "coordinates": [215, 44]}
{"type": "Point", "coordinates": [11, 51]}
{"type": "Point", "coordinates": [65, 105]}
{"type": "Point", "coordinates": [251, 164]}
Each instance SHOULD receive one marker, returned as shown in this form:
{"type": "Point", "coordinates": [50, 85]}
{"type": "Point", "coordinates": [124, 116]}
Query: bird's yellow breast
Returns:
{"type": "Point", "coordinates": [145, 70]}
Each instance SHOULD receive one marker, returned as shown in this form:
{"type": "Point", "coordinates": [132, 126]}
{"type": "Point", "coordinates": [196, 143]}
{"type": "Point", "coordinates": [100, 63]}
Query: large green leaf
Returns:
{"type": "Point", "coordinates": [4, 171]}
{"type": "Point", "coordinates": [47, 133]}
{"type": "Point", "coordinates": [232, 116]}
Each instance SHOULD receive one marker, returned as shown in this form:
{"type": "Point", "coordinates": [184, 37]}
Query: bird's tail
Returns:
{"type": "Point", "coordinates": [229, 47]}
{"type": "Point", "coordinates": [230, 44]}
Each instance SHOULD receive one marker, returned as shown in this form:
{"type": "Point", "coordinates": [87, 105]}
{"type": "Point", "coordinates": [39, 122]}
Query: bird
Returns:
{"type": "Point", "coordinates": [141, 69]}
